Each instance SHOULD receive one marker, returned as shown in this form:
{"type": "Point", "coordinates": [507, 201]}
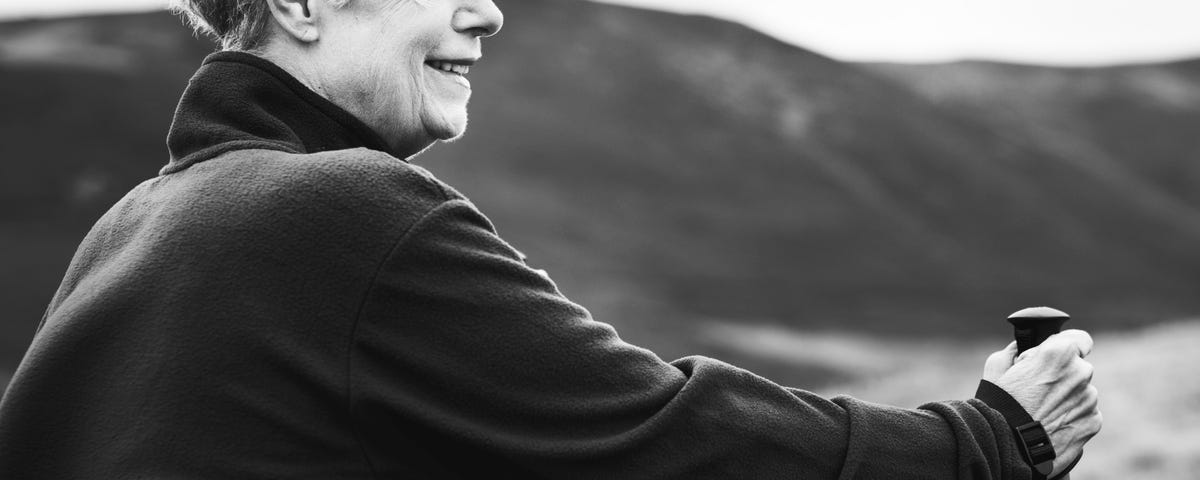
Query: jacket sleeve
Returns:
{"type": "Point", "coordinates": [460, 339]}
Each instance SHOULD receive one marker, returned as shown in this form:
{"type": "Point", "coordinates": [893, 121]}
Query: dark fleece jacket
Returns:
{"type": "Point", "coordinates": [288, 300]}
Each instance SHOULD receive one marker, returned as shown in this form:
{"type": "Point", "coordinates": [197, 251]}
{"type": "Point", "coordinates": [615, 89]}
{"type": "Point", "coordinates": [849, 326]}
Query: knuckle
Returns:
{"type": "Point", "coordinates": [1094, 426]}
{"type": "Point", "coordinates": [1086, 370]}
{"type": "Point", "coordinates": [1058, 349]}
{"type": "Point", "coordinates": [1089, 342]}
{"type": "Point", "coordinates": [1081, 340]}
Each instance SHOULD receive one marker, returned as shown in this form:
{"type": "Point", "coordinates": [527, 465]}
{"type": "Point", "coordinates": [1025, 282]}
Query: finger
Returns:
{"type": "Point", "coordinates": [1086, 428]}
{"type": "Point", "coordinates": [1086, 370]}
{"type": "Point", "coordinates": [999, 362]}
{"type": "Point", "coordinates": [1082, 340]}
{"type": "Point", "coordinates": [1091, 426]}
{"type": "Point", "coordinates": [1065, 459]}
{"type": "Point", "coordinates": [1091, 399]}
{"type": "Point", "coordinates": [1082, 406]}
{"type": "Point", "coordinates": [1078, 342]}
{"type": "Point", "coordinates": [1077, 382]}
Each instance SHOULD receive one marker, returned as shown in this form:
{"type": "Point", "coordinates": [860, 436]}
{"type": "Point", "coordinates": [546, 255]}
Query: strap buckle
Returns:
{"type": "Point", "coordinates": [1036, 448]}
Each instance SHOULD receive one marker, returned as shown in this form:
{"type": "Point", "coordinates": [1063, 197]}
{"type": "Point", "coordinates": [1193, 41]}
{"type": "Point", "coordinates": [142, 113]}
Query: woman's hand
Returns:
{"type": "Point", "coordinates": [1053, 382]}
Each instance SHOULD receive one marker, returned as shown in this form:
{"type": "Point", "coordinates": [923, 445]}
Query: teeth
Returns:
{"type": "Point", "coordinates": [451, 67]}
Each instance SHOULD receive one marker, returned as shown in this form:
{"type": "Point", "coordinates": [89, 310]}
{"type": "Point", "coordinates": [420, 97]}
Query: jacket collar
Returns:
{"type": "Point", "coordinates": [239, 101]}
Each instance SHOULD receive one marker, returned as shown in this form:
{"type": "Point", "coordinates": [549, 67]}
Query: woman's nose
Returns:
{"type": "Point", "coordinates": [481, 18]}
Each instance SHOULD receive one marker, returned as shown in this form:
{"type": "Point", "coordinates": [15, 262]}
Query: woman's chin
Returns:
{"type": "Point", "coordinates": [449, 127]}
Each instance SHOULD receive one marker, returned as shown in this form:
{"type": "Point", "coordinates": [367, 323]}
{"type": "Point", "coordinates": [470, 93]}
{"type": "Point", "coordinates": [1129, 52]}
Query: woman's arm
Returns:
{"type": "Point", "coordinates": [462, 342]}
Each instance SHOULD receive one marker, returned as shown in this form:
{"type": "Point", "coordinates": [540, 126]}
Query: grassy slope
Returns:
{"type": "Point", "coordinates": [664, 169]}
{"type": "Point", "coordinates": [1113, 114]}
{"type": "Point", "coordinates": [699, 167]}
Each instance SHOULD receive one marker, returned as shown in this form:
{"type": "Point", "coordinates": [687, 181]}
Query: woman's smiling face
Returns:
{"type": "Point", "coordinates": [401, 65]}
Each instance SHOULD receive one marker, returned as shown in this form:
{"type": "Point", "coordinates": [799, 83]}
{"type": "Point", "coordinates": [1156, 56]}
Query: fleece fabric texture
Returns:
{"type": "Point", "coordinates": [288, 300]}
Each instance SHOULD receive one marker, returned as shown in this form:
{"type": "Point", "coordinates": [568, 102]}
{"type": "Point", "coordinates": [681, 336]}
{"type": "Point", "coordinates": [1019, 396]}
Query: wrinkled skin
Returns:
{"type": "Point", "coordinates": [1053, 382]}
{"type": "Point", "coordinates": [373, 58]}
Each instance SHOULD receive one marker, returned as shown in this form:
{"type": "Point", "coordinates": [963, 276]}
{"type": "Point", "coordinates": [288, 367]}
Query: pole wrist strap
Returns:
{"type": "Point", "coordinates": [1032, 439]}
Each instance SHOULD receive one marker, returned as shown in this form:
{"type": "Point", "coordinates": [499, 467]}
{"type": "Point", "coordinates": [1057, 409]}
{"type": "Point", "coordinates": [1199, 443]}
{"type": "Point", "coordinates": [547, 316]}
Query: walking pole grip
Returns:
{"type": "Point", "coordinates": [1031, 327]}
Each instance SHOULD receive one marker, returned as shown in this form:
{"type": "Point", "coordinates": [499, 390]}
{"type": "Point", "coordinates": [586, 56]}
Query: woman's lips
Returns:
{"type": "Point", "coordinates": [460, 67]}
{"type": "Point", "coordinates": [454, 70]}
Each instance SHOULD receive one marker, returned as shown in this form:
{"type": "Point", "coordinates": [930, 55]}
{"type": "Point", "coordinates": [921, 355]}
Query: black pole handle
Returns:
{"type": "Point", "coordinates": [1032, 326]}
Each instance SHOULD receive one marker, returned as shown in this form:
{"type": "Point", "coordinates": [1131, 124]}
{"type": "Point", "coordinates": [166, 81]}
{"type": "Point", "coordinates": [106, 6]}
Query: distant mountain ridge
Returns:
{"type": "Point", "coordinates": [668, 168]}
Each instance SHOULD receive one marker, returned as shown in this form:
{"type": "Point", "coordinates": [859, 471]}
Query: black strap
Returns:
{"type": "Point", "coordinates": [1032, 439]}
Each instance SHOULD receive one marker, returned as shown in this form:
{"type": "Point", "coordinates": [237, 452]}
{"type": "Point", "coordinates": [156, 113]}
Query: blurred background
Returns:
{"type": "Point", "coordinates": [844, 198]}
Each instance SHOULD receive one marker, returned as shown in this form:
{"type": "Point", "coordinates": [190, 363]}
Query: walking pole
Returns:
{"type": "Point", "coordinates": [1031, 327]}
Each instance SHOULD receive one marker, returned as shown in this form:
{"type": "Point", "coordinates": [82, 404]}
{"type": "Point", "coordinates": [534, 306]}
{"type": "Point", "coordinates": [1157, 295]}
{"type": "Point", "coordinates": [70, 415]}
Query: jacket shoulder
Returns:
{"type": "Point", "coordinates": [349, 199]}
{"type": "Point", "coordinates": [359, 174]}
{"type": "Point", "coordinates": [357, 183]}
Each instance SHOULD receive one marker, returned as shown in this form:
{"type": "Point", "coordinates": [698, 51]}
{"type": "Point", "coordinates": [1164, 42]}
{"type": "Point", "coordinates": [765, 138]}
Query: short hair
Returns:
{"type": "Point", "coordinates": [235, 24]}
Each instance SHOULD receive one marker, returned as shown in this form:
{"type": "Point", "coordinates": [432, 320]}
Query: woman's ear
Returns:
{"type": "Point", "coordinates": [296, 19]}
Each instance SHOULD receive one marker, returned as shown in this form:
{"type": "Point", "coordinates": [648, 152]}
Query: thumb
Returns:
{"type": "Point", "coordinates": [999, 362]}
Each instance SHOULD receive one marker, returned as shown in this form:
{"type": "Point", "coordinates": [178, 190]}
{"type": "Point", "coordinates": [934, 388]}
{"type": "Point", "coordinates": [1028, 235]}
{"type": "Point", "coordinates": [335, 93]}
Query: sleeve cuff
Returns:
{"type": "Point", "coordinates": [1032, 440]}
{"type": "Point", "coordinates": [1001, 401]}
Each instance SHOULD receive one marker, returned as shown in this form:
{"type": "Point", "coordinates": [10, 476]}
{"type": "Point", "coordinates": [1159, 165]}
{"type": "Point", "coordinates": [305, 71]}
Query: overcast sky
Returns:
{"type": "Point", "coordinates": [1071, 32]}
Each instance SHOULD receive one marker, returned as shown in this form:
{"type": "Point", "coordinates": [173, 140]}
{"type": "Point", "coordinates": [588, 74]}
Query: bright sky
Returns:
{"type": "Point", "coordinates": [1073, 32]}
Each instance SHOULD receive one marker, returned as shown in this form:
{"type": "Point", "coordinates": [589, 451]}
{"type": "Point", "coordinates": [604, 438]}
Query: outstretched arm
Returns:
{"type": "Point", "coordinates": [460, 340]}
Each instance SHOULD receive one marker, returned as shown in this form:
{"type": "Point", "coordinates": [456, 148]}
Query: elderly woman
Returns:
{"type": "Point", "coordinates": [291, 298]}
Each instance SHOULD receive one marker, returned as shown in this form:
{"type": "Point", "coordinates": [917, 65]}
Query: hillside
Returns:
{"type": "Point", "coordinates": [727, 175]}
{"type": "Point", "coordinates": [1135, 123]}
{"type": "Point", "coordinates": [668, 170]}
